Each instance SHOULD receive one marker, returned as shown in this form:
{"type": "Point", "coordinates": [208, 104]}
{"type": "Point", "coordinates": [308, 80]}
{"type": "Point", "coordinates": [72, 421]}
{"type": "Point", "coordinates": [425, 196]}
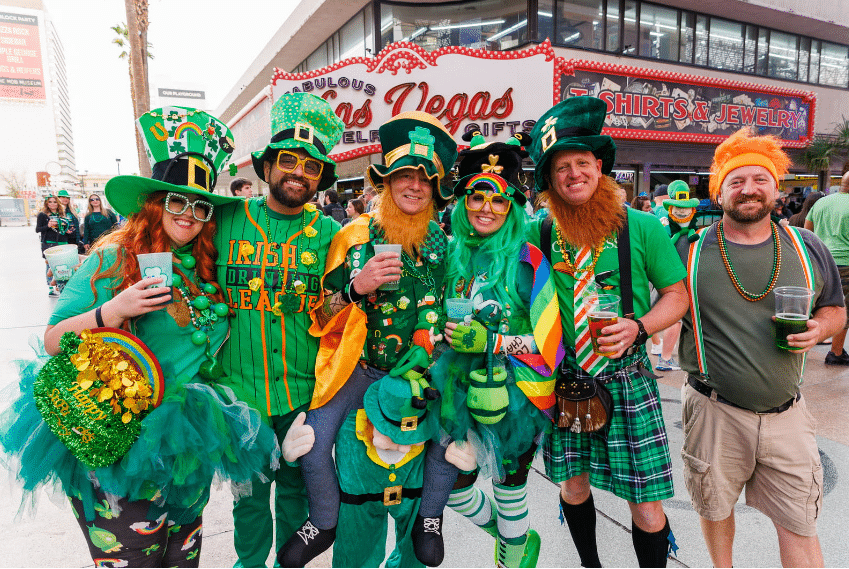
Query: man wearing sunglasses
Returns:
{"type": "Point", "coordinates": [271, 258]}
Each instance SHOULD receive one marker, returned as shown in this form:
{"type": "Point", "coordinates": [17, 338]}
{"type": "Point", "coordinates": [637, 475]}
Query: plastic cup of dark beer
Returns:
{"type": "Point", "coordinates": [604, 311]}
{"type": "Point", "coordinates": [792, 309]}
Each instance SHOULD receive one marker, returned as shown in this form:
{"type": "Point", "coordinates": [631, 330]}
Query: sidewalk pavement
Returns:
{"type": "Point", "coordinates": [51, 538]}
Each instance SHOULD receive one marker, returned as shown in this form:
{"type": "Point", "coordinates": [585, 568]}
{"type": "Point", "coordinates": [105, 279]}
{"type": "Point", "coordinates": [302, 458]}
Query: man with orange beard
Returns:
{"type": "Point", "coordinates": [592, 241]}
{"type": "Point", "coordinates": [377, 318]}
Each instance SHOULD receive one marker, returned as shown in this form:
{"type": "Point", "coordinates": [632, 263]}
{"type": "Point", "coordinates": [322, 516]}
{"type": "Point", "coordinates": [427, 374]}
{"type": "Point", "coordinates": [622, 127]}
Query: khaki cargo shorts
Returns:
{"type": "Point", "coordinates": [773, 456]}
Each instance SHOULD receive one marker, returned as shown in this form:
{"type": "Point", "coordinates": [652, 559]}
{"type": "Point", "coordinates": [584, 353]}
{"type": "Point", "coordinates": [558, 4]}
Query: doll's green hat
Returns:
{"type": "Point", "coordinates": [415, 140]}
{"type": "Point", "coordinates": [679, 192]}
{"type": "Point", "coordinates": [187, 149]}
{"type": "Point", "coordinates": [388, 406]}
{"type": "Point", "coordinates": [573, 124]}
{"type": "Point", "coordinates": [302, 120]}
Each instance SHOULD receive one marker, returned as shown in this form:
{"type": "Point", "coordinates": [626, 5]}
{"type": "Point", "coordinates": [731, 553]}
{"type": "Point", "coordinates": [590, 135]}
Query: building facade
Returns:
{"type": "Point", "coordinates": [783, 69]}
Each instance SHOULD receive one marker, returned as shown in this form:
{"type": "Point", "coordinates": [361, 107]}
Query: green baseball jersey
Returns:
{"type": "Point", "coordinates": [270, 268]}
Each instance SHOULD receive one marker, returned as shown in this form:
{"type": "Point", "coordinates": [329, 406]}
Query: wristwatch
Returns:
{"type": "Point", "coordinates": [642, 335]}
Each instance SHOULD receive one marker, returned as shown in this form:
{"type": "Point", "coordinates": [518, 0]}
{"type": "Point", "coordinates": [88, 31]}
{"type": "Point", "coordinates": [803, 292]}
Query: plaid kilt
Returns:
{"type": "Point", "coordinates": [631, 457]}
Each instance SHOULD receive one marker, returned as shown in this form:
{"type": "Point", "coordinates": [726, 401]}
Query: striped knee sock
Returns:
{"type": "Point", "coordinates": [472, 503]}
{"type": "Point", "coordinates": [512, 504]}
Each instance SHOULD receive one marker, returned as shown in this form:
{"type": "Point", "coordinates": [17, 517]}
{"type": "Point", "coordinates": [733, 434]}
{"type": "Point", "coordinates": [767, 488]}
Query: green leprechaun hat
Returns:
{"type": "Point", "coordinates": [415, 140]}
{"type": "Point", "coordinates": [388, 406]}
{"type": "Point", "coordinates": [187, 149]}
{"type": "Point", "coordinates": [573, 124]}
{"type": "Point", "coordinates": [302, 120]}
{"type": "Point", "coordinates": [493, 166]}
{"type": "Point", "coordinates": [679, 192]}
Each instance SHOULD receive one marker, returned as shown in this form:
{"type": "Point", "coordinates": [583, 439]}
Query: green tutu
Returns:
{"type": "Point", "coordinates": [198, 432]}
{"type": "Point", "coordinates": [498, 446]}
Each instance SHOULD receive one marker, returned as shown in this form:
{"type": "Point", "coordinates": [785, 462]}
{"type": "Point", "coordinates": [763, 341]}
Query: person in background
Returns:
{"type": "Point", "coordinates": [798, 219]}
{"type": "Point", "coordinates": [73, 230]}
{"type": "Point", "coordinates": [98, 220]}
{"type": "Point", "coordinates": [368, 195]}
{"type": "Point", "coordinates": [781, 211]}
{"type": "Point", "coordinates": [242, 187]}
{"type": "Point", "coordinates": [333, 208]}
{"type": "Point", "coordinates": [52, 226]}
{"type": "Point", "coordinates": [642, 203]}
{"type": "Point", "coordinates": [355, 209]}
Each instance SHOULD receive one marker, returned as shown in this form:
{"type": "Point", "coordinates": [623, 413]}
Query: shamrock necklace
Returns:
{"type": "Point", "coordinates": [203, 313]}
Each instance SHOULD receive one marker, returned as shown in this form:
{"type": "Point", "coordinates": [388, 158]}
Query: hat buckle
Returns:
{"type": "Point", "coordinates": [299, 129]}
{"type": "Point", "coordinates": [549, 136]}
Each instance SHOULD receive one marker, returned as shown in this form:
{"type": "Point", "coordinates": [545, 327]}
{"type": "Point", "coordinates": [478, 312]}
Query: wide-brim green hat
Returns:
{"type": "Point", "coordinates": [679, 193]}
{"type": "Point", "coordinates": [573, 124]}
{"type": "Point", "coordinates": [388, 406]}
{"type": "Point", "coordinates": [302, 120]}
{"type": "Point", "coordinates": [415, 140]}
{"type": "Point", "coordinates": [187, 149]}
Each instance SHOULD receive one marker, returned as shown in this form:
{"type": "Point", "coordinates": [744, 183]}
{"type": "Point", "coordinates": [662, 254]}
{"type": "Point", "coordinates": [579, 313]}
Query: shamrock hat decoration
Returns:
{"type": "Point", "coordinates": [415, 140]}
{"type": "Point", "coordinates": [679, 191]}
{"type": "Point", "coordinates": [187, 149]}
{"type": "Point", "coordinates": [302, 120]}
{"type": "Point", "coordinates": [388, 406]}
{"type": "Point", "coordinates": [573, 124]}
{"type": "Point", "coordinates": [493, 166]}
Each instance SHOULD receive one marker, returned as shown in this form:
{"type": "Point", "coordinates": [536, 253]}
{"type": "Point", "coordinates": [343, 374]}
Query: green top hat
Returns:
{"type": "Point", "coordinates": [489, 161]}
{"type": "Point", "coordinates": [573, 124]}
{"type": "Point", "coordinates": [387, 404]}
{"type": "Point", "coordinates": [302, 120]}
{"type": "Point", "coordinates": [679, 191]}
{"type": "Point", "coordinates": [187, 149]}
{"type": "Point", "coordinates": [415, 140]}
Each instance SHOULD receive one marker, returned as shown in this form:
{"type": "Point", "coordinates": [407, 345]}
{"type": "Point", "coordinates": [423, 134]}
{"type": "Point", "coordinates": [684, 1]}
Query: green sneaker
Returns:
{"type": "Point", "coordinates": [523, 554]}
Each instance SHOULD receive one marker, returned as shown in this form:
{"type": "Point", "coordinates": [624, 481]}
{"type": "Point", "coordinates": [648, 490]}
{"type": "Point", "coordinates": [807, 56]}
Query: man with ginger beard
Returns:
{"type": "Point", "coordinates": [271, 254]}
{"type": "Point", "coordinates": [585, 239]}
{"type": "Point", "coordinates": [370, 326]}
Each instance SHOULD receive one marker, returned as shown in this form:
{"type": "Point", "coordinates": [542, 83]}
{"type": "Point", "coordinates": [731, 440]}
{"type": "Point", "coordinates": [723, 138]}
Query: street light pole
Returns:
{"type": "Point", "coordinates": [118, 160]}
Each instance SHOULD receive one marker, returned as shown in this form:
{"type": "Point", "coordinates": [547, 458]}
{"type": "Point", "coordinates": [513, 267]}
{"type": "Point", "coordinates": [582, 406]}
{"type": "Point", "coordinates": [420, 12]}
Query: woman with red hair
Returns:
{"type": "Point", "coordinates": [144, 508]}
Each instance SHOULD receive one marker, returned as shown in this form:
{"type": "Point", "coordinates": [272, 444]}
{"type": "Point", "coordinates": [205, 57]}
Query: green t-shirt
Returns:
{"type": "Point", "coordinates": [653, 261]}
{"type": "Point", "coordinates": [392, 315]}
{"type": "Point", "coordinates": [830, 217]}
{"type": "Point", "coordinates": [269, 352]}
{"type": "Point", "coordinates": [743, 364]}
{"type": "Point", "coordinates": [169, 342]}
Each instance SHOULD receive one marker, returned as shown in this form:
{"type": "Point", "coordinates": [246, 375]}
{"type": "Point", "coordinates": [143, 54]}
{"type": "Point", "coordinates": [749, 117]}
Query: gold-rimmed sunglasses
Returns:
{"type": "Point", "coordinates": [177, 204]}
{"type": "Point", "coordinates": [497, 203]}
{"type": "Point", "coordinates": [288, 161]}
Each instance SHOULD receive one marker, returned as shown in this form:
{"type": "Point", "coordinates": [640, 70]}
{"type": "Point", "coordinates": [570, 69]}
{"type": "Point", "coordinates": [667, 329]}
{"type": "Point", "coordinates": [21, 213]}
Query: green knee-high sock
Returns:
{"type": "Point", "coordinates": [512, 504]}
{"type": "Point", "coordinates": [472, 503]}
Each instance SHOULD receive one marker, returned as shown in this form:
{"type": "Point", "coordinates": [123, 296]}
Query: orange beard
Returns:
{"type": "Point", "coordinates": [408, 230]}
{"type": "Point", "coordinates": [589, 224]}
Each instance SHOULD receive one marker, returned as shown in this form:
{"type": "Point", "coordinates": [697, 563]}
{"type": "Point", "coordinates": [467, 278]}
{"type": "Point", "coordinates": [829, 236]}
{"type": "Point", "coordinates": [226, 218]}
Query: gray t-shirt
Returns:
{"type": "Point", "coordinates": [743, 364]}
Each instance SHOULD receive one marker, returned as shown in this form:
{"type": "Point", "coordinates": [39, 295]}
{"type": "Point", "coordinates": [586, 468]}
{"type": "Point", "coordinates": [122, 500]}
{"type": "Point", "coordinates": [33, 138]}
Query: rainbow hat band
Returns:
{"type": "Point", "coordinates": [495, 165]}
{"type": "Point", "coordinates": [487, 182]}
{"type": "Point", "coordinates": [187, 150]}
{"type": "Point", "coordinates": [94, 394]}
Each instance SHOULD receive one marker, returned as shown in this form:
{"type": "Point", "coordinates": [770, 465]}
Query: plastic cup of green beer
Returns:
{"type": "Point", "coordinates": [792, 309]}
{"type": "Point", "coordinates": [456, 309]}
{"type": "Point", "coordinates": [388, 248]}
{"type": "Point", "coordinates": [604, 311]}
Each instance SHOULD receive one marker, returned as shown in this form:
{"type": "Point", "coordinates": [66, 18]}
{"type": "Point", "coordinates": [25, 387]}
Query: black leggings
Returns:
{"type": "Point", "coordinates": [517, 478]}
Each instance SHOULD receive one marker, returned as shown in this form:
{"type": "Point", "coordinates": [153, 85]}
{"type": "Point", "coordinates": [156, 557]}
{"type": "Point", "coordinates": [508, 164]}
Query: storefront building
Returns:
{"type": "Point", "coordinates": [677, 79]}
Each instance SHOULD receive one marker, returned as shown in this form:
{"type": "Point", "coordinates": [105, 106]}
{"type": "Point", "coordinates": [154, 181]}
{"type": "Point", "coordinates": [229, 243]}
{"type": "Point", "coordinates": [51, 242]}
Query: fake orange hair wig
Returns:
{"type": "Point", "coordinates": [743, 149]}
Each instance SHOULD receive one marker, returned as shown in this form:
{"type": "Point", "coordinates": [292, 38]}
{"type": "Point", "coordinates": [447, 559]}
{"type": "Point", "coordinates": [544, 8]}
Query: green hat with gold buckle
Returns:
{"type": "Point", "coordinates": [416, 140]}
{"type": "Point", "coordinates": [187, 149]}
{"type": "Point", "coordinates": [679, 193]}
{"type": "Point", "coordinates": [573, 124]}
{"type": "Point", "coordinates": [387, 404]}
{"type": "Point", "coordinates": [302, 120]}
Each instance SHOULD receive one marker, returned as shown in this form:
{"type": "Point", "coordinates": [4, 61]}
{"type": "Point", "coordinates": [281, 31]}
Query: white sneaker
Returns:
{"type": "Point", "coordinates": [657, 349]}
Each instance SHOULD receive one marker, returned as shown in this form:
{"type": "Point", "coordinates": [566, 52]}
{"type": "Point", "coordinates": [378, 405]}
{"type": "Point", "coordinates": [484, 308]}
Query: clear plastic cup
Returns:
{"type": "Point", "coordinates": [388, 248]}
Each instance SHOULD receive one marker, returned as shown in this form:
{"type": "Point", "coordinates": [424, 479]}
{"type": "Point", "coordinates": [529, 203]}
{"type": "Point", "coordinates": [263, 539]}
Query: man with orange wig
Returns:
{"type": "Point", "coordinates": [745, 420]}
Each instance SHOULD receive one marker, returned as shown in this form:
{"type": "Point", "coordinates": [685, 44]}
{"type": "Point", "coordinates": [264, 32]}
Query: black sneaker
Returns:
{"type": "Point", "coordinates": [427, 540]}
{"type": "Point", "coordinates": [305, 545]}
{"type": "Point", "coordinates": [833, 360]}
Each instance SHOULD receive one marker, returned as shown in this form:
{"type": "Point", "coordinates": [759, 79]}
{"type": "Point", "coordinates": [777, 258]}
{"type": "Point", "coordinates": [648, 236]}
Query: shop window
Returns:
{"type": "Point", "coordinates": [352, 38]}
{"type": "Point", "coordinates": [834, 65]}
{"type": "Point", "coordinates": [658, 32]}
{"type": "Point", "coordinates": [751, 49]}
{"type": "Point", "coordinates": [688, 34]}
{"type": "Point", "coordinates": [726, 43]}
{"type": "Point", "coordinates": [629, 35]}
{"type": "Point", "coordinates": [804, 57]}
{"type": "Point", "coordinates": [613, 35]}
{"type": "Point", "coordinates": [318, 58]}
{"type": "Point", "coordinates": [487, 24]}
{"type": "Point", "coordinates": [814, 71]}
{"type": "Point", "coordinates": [702, 44]}
{"type": "Point", "coordinates": [545, 21]}
{"type": "Point", "coordinates": [579, 23]}
{"type": "Point", "coordinates": [783, 55]}
{"type": "Point", "coordinates": [763, 45]}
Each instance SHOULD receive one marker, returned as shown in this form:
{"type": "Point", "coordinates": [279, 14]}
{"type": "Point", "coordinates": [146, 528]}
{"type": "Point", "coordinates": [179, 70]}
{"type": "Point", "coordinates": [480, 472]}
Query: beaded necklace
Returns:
{"type": "Point", "coordinates": [776, 263]}
{"type": "Point", "coordinates": [570, 268]}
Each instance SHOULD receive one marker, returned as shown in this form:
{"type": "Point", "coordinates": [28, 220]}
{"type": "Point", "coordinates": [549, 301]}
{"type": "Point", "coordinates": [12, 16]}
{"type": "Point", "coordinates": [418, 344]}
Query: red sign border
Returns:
{"type": "Point", "coordinates": [407, 56]}
{"type": "Point", "coordinates": [568, 67]}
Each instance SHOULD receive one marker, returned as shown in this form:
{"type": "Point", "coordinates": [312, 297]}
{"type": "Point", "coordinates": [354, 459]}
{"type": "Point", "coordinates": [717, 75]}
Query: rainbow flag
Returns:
{"type": "Point", "coordinates": [548, 334]}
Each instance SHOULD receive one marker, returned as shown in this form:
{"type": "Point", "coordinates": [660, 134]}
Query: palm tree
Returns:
{"type": "Point", "coordinates": [825, 148]}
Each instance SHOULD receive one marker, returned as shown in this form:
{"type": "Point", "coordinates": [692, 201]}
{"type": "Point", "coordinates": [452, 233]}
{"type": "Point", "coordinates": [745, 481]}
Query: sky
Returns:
{"type": "Point", "coordinates": [204, 45]}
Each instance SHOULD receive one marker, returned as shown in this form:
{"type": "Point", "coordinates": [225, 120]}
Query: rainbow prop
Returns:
{"type": "Point", "coordinates": [548, 334]}
{"type": "Point", "coordinates": [139, 355]}
{"type": "Point", "coordinates": [178, 132]}
{"type": "Point", "coordinates": [494, 181]}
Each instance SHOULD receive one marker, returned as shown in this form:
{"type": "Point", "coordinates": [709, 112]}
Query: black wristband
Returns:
{"type": "Point", "coordinates": [98, 317]}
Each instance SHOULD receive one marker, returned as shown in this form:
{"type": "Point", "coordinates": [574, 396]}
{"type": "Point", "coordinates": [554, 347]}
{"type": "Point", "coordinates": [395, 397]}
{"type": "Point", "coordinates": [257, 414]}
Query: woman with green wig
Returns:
{"type": "Point", "coordinates": [503, 330]}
